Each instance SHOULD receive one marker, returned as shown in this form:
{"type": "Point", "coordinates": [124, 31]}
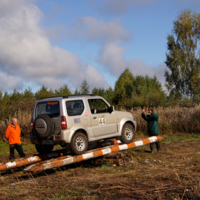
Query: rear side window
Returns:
{"type": "Point", "coordinates": [50, 108]}
{"type": "Point", "coordinates": [75, 107]}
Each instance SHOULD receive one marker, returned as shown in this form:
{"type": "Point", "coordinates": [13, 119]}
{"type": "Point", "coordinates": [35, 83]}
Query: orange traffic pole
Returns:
{"type": "Point", "coordinates": [66, 160]}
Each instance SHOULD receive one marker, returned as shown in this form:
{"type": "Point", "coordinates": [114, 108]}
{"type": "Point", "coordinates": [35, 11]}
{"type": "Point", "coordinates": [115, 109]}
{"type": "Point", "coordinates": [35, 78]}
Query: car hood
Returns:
{"type": "Point", "coordinates": [123, 114]}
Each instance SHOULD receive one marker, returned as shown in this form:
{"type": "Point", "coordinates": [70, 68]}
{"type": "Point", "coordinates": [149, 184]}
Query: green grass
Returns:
{"type": "Point", "coordinates": [180, 137]}
{"type": "Point", "coordinates": [4, 148]}
{"type": "Point", "coordinates": [28, 147]}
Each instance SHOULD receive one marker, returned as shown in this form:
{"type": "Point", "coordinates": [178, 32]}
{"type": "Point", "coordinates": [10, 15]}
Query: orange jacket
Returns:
{"type": "Point", "coordinates": [13, 135]}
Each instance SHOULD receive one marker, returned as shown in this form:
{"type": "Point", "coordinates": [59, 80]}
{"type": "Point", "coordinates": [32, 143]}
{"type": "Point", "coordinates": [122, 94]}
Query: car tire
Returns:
{"type": "Point", "coordinates": [44, 149]}
{"type": "Point", "coordinates": [79, 143]}
{"type": "Point", "coordinates": [43, 126]}
{"type": "Point", "coordinates": [127, 135]}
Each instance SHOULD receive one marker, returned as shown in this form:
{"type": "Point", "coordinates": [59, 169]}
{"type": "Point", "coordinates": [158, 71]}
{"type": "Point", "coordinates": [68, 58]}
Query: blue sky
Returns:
{"type": "Point", "coordinates": [51, 43]}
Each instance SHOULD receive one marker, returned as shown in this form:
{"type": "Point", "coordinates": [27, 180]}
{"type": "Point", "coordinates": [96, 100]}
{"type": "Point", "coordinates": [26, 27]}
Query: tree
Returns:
{"type": "Point", "coordinates": [76, 92]}
{"type": "Point", "coordinates": [84, 87]}
{"type": "Point", "coordinates": [123, 88]}
{"type": "Point", "coordinates": [44, 92]}
{"type": "Point", "coordinates": [99, 92]}
{"type": "Point", "coordinates": [109, 93]}
{"type": "Point", "coordinates": [63, 91]}
{"type": "Point", "coordinates": [183, 63]}
{"type": "Point", "coordinates": [131, 91]}
{"type": "Point", "coordinates": [28, 94]}
{"type": "Point", "coordinates": [15, 96]}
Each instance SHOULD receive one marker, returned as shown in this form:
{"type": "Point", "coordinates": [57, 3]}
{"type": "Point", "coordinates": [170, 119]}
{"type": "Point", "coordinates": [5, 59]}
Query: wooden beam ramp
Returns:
{"type": "Point", "coordinates": [66, 160]}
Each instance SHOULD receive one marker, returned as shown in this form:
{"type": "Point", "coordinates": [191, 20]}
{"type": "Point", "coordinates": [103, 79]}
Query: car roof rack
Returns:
{"type": "Point", "coordinates": [68, 96]}
{"type": "Point", "coordinates": [78, 95]}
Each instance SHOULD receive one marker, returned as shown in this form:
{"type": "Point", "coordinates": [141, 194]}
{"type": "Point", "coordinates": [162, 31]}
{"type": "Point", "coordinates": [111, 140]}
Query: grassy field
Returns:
{"type": "Point", "coordinates": [172, 174]}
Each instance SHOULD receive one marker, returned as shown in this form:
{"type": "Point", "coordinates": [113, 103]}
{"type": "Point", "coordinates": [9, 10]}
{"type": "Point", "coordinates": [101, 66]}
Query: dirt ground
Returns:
{"type": "Point", "coordinates": [172, 174]}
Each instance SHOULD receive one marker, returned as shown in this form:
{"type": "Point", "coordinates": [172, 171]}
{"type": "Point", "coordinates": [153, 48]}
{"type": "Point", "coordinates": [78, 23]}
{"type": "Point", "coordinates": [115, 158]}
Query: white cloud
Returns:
{"type": "Point", "coordinates": [27, 54]}
{"type": "Point", "coordinates": [95, 80]}
{"type": "Point", "coordinates": [10, 82]}
{"type": "Point", "coordinates": [112, 58]}
{"type": "Point", "coordinates": [100, 31]}
{"type": "Point", "coordinates": [109, 36]}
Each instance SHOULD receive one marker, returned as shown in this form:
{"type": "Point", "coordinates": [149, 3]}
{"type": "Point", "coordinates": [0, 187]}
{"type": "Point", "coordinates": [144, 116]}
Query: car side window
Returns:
{"type": "Point", "coordinates": [98, 106]}
{"type": "Point", "coordinates": [75, 107]}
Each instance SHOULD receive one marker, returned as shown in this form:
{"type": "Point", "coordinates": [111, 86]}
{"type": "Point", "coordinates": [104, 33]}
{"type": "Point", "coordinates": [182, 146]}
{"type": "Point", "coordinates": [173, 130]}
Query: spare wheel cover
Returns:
{"type": "Point", "coordinates": [41, 126]}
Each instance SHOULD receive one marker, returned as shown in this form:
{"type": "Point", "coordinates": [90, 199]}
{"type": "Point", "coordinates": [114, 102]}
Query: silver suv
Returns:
{"type": "Point", "coordinates": [77, 121]}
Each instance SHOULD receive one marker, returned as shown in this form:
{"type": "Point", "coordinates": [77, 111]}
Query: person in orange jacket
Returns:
{"type": "Point", "coordinates": [13, 135]}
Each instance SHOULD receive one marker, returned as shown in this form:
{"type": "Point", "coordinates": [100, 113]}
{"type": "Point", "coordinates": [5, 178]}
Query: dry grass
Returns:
{"type": "Point", "coordinates": [172, 174]}
{"type": "Point", "coordinates": [171, 120]}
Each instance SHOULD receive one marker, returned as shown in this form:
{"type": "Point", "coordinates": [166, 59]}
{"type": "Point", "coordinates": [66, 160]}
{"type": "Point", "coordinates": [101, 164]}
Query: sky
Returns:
{"type": "Point", "coordinates": [52, 43]}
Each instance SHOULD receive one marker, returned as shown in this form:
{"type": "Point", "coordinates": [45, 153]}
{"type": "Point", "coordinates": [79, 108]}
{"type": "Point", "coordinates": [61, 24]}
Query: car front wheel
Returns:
{"type": "Point", "coordinates": [127, 134]}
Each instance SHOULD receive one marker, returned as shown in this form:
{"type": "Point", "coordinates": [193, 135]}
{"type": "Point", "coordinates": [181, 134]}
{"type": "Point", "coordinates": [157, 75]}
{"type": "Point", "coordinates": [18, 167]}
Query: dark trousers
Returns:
{"type": "Point", "coordinates": [19, 150]}
{"type": "Point", "coordinates": [157, 146]}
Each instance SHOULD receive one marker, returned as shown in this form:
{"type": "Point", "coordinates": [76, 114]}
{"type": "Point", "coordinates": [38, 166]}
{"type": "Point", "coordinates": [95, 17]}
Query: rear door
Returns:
{"type": "Point", "coordinates": [103, 122]}
{"type": "Point", "coordinates": [75, 112]}
{"type": "Point", "coordinates": [52, 109]}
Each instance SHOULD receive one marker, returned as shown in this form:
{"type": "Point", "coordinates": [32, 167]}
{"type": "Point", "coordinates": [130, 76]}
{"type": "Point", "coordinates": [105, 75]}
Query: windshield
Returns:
{"type": "Point", "coordinates": [50, 108]}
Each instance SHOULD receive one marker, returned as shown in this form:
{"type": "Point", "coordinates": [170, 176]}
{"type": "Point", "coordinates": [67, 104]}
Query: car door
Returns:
{"type": "Point", "coordinates": [103, 122]}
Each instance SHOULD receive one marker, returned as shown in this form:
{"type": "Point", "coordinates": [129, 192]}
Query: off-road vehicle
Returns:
{"type": "Point", "coordinates": [77, 121]}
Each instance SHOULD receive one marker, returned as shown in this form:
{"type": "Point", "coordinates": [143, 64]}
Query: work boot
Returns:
{"type": "Point", "coordinates": [158, 146]}
{"type": "Point", "coordinates": [152, 147]}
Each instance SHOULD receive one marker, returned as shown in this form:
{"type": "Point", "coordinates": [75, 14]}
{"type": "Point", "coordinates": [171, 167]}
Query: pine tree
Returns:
{"type": "Point", "coordinates": [76, 92]}
{"type": "Point", "coordinates": [63, 91]}
{"type": "Point", "coordinates": [44, 92]}
{"type": "Point", "coordinates": [84, 87]}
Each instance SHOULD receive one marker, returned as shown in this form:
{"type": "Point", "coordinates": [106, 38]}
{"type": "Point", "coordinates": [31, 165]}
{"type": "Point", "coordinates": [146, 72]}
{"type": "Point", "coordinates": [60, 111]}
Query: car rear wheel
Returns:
{"type": "Point", "coordinates": [79, 143]}
{"type": "Point", "coordinates": [44, 149]}
{"type": "Point", "coordinates": [127, 134]}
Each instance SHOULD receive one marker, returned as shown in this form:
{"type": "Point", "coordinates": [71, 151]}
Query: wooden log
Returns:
{"type": "Point", "coordinates": [128, 155]}
{"type": "Point", "coordinates": [102, 161]}
{"type": "Point", "coordinates": [115, 155]}
{"type": "Point", "coordinates": [98, 162]}
{"type": "Point", "coordinates": [118, 162]}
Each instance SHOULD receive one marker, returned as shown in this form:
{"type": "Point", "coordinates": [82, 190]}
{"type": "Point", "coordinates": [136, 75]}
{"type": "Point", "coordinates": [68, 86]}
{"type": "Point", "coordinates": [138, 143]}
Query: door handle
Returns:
{"type": "Point", "coordinates": [94, 117]}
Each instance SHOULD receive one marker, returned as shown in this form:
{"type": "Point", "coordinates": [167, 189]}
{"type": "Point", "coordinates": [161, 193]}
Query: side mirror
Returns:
{"type": "Point", "coordinates": [111, 109]}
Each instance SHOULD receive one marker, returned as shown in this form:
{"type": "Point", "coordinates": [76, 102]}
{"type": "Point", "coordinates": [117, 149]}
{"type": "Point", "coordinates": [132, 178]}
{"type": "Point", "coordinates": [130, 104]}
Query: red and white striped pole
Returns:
{"type": "Point", "coordinates": [30, 160]}
{"type": "Point", "coordinates": [66, 160]}
{"type": "Point", "coordinates": [34, 159]}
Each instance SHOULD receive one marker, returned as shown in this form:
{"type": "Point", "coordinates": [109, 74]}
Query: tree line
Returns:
{"type": "Point", "coordinates": [129, 91]}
